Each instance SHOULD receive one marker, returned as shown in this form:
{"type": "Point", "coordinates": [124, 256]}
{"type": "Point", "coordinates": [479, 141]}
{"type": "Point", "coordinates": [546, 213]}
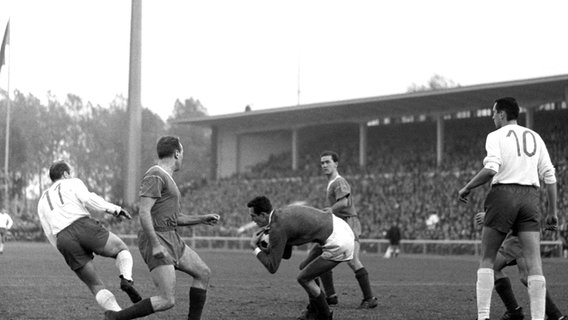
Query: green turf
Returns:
{"type": "Point", "coordinates": [35, 283]}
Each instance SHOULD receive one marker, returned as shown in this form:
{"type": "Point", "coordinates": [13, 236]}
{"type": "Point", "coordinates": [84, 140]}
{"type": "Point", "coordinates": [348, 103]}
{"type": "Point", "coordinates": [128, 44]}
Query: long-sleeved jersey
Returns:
{"type": "Point", "coordinates": [294, 226]}
{"type": "Point", "coordinates": [66, 201]}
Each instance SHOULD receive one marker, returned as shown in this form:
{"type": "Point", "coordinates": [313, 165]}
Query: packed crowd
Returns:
{"type": "Point", "coordinates": [400, 183]}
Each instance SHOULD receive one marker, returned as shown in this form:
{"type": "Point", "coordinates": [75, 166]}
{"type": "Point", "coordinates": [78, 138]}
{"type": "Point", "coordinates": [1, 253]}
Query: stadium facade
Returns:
{"type": "Point", "coordinates": [241, 140]}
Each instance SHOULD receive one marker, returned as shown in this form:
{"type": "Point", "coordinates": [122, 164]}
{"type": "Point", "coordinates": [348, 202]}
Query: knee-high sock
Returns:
{"type": "Point", "coordinates": [503, 288]}
{"type": "Point", "coordinates": [537, 296]}
{"type": "Point", "coordinates": [124, 264]}
{"type": "Point", "coordinates": [137, 310]}
{"type": "Point", "coordinates": [327, 281]}
{"type": "Point", "coordinates": [321, 306]}
{"type": "Point", "coordinates": [106, 300]}
{"type": "Point", "coordinates": [197, 297]}
{"type": "Point", "coordinates": [484, 287]}
{"type": "Point", "coordinates": [363, 278]}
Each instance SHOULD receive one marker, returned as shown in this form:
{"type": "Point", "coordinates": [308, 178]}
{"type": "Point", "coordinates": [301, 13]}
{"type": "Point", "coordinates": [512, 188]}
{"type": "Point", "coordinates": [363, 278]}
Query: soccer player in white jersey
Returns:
{"type": "Point", "coordinates": [6, 223]}
{"type": "Point", "coordinates": [64, 215]}
{"type": "Point", "coordinates": [516, 161]}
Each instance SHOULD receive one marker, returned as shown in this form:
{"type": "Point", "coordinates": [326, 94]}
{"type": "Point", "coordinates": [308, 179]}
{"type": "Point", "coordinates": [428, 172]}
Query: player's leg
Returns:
{"type": "Point", "coordinates": [306, 279]}
{"type": "Point", "coordinates": [2, 234]}
{"type": "Point", "coordinates": [491, 240]}
{"type": "Point", "coordinates": [117, 249]}
{"type": "Point", "coordinates": [362, 276]}
{"type": "Point", "coordinates": [164, 278]}
{"type": "Point", "coordinates": [504, 289]}
{"type": "Point", "coordinates": [536, 283]}
{"type": "Point", "coordinates": [192, 264]}
{"type": "Point", "coordinates": [104, 297]}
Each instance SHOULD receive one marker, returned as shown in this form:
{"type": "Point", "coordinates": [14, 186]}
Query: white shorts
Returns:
{"type": "Point", "coordinates": [340, 244]}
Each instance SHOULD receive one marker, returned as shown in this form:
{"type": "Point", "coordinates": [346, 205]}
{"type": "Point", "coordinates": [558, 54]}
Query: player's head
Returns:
{"type": "Point", "coordinates": [504, 110]}
{"type": "Point", "coordinates": [329, 161]}
{"type": "Point", "coordinates": [170, 147]}
{"type": "Point", "coordinates": [58, 169]}
{"type": "Point", "coordinates": [259, 210]}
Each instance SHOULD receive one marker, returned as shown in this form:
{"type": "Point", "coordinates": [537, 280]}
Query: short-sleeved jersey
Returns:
{"type": "Point", "coordinates": [64, 202]}
{"type": "Point", "coordinates": [159, 184]}
{"type": "Point", "coordinates": [518, 155]}
{"type": "Point", "coordinates": [5, 221]}
{"type": "Point", "coordinates": [337, 189]}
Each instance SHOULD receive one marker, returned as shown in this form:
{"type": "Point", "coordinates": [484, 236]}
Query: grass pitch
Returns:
{"type": "Point", "coordinates": [35, 283]}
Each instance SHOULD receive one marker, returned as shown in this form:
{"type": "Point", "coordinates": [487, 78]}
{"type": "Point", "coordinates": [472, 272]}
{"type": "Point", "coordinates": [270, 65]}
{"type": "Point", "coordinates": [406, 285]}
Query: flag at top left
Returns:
{"type": "Point", "coordinates": [5, 42]}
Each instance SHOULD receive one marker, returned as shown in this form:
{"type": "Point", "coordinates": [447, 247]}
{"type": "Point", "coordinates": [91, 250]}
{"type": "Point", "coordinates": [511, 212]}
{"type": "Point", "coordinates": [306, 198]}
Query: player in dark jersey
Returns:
{"type": "Point", "coordinates": [340, 199]}
{"type": "Point", "coordinates": [160, 245]}
{"type": "Point", "coordinates": [296, 225]}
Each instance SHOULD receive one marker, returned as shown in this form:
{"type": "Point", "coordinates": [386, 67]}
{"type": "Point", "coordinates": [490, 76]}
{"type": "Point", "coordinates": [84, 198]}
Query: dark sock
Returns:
{"type": "Point", "coordinates": [197, 299]}
{"type": "Point", "coordinates": [321, 306]}
{"type": "Point", "coordinates": [327, 280]}
{"type": "Point", "coordinates": [137, 310]}
{"type": "Point", "coordinates": [551, 309]}
{"type": "Point", "coordinates": [363, 278]}
{"type": "Point", "coordinates": [503, 288]}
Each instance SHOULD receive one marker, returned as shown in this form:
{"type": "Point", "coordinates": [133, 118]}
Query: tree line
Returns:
{"type": "Point", "coordinates": [93, 139]}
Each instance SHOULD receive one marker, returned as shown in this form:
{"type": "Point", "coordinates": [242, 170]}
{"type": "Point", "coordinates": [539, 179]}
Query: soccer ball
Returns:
{"type": "Point", "coordinates": [264, 240]}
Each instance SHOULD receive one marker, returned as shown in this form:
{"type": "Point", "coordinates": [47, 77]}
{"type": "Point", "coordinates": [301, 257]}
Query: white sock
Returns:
{"type": "Point", "coordinates": [537, 296]}
{"type": "Point", "coordinates": [124, 264]}
{"type": "Point", "coordinates": [484, 288]}
{"type": "Point", "coordinates": [106, 300]}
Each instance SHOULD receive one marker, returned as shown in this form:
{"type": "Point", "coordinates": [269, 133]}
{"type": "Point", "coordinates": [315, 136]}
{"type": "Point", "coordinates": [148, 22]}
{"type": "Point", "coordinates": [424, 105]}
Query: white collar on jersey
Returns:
{"type": "Point", "coordinates": [166, 172]}
{"type": "Point", "coordinates": [332, 181]}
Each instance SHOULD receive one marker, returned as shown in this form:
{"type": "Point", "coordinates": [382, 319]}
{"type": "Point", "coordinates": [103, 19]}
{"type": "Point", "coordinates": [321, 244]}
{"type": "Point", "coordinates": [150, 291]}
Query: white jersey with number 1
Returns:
{"type": "Point", "coordinates": [519, 156]}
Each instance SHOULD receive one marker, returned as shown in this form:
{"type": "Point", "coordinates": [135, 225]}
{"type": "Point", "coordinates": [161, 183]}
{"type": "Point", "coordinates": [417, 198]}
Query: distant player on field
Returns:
{"type": "Point", "coordinates": [297, 225]}
{"type": "Point", "coordinates": [340, 199]}
{"type": "Point", "coordinates": [516, 161]}
{"type": "Point", "coordinates": [509, 255]}
{"type": "Point", "coordinates": [162, 248]}
{"type": "Point", "coordinates": [68, 226]}
{"type": "Point", "coordinates": [6, 223]}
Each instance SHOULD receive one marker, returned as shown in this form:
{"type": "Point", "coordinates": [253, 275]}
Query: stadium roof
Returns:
{"type": "Point", "coordinates": [529, 92]}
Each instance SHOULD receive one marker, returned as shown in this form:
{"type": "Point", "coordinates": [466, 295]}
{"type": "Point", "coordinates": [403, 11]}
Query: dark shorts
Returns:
{"type": "Point", "coordinates": [512, 207]}
{"type": "Point", "coordinates": [3, 232]}
{"type": "Point", "coordinates": [80, 240]}
{"type": "Point", "coordinates": [355, 225]}
{"type": "Point", "coordinates": [171, 240]}
{"type": "Point", "coordinates": [511, 249]}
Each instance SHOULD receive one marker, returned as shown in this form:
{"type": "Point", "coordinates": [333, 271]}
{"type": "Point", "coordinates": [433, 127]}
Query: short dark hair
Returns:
{"type": "Point", "coordinates": [510, 106]}
{"type": "Point", "coordinates": [260, 204]}
{"type": "Point", "coordinates": [334, 155]}
{"type": "Point", "coordinates": [167, 146]}
{"type": "Point", "coordinates": [57, 169]}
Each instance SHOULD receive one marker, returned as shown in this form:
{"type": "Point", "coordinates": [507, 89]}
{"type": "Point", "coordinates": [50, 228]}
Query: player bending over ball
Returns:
{"type": "Point", "coordinates": [298, 225]}
{"type": "Point", "coordinates": [68, 226]}
{"type": "Point", "coordinates": [509, 255]}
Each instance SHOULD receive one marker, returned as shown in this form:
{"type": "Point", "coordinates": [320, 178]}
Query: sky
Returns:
{"type": "Point", "coordinates": [267, 54]}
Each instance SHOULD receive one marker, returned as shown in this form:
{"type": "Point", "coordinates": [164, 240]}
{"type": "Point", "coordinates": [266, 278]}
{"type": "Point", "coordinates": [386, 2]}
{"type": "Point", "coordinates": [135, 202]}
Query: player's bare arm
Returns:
{"type": "Point", "coordinates": [482, 177]}
{"type": "Point", "coordinates": [147, 225]}
{"type": "Point", "coordinates": [191, 220]}
{"type": "Point", "coordinates": [551, 221]}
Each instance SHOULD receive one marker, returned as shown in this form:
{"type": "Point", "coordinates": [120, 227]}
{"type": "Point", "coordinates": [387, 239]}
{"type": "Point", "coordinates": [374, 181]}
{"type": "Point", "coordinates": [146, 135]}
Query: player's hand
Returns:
{"type": "Point", "coordinates": [479, 218]}
{"type": "Point", "coordinates": [123, 213]}
{"type": "Point", "coordinates": [551, 223]}
{"type": "Point", "coordinates": [462, 194]}
{"type": "Point", "coordinates": [211, 219]}
{"type": "Point", "coordinates": [256, 238]}
{"type": "Point", "coordinates": [159, 252]}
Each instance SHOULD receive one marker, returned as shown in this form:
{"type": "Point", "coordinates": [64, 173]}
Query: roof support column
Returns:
{"type": "Point", "coordinates": [439, 139]}
{"type": "Point", "coordinates": [529, 117]}
{"type": "Point", "coordinates": [295, 149]}
{"type": "Point", "coordinates": [214, 161]}
{"type": "Point", "coordinates": [363, 144]}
